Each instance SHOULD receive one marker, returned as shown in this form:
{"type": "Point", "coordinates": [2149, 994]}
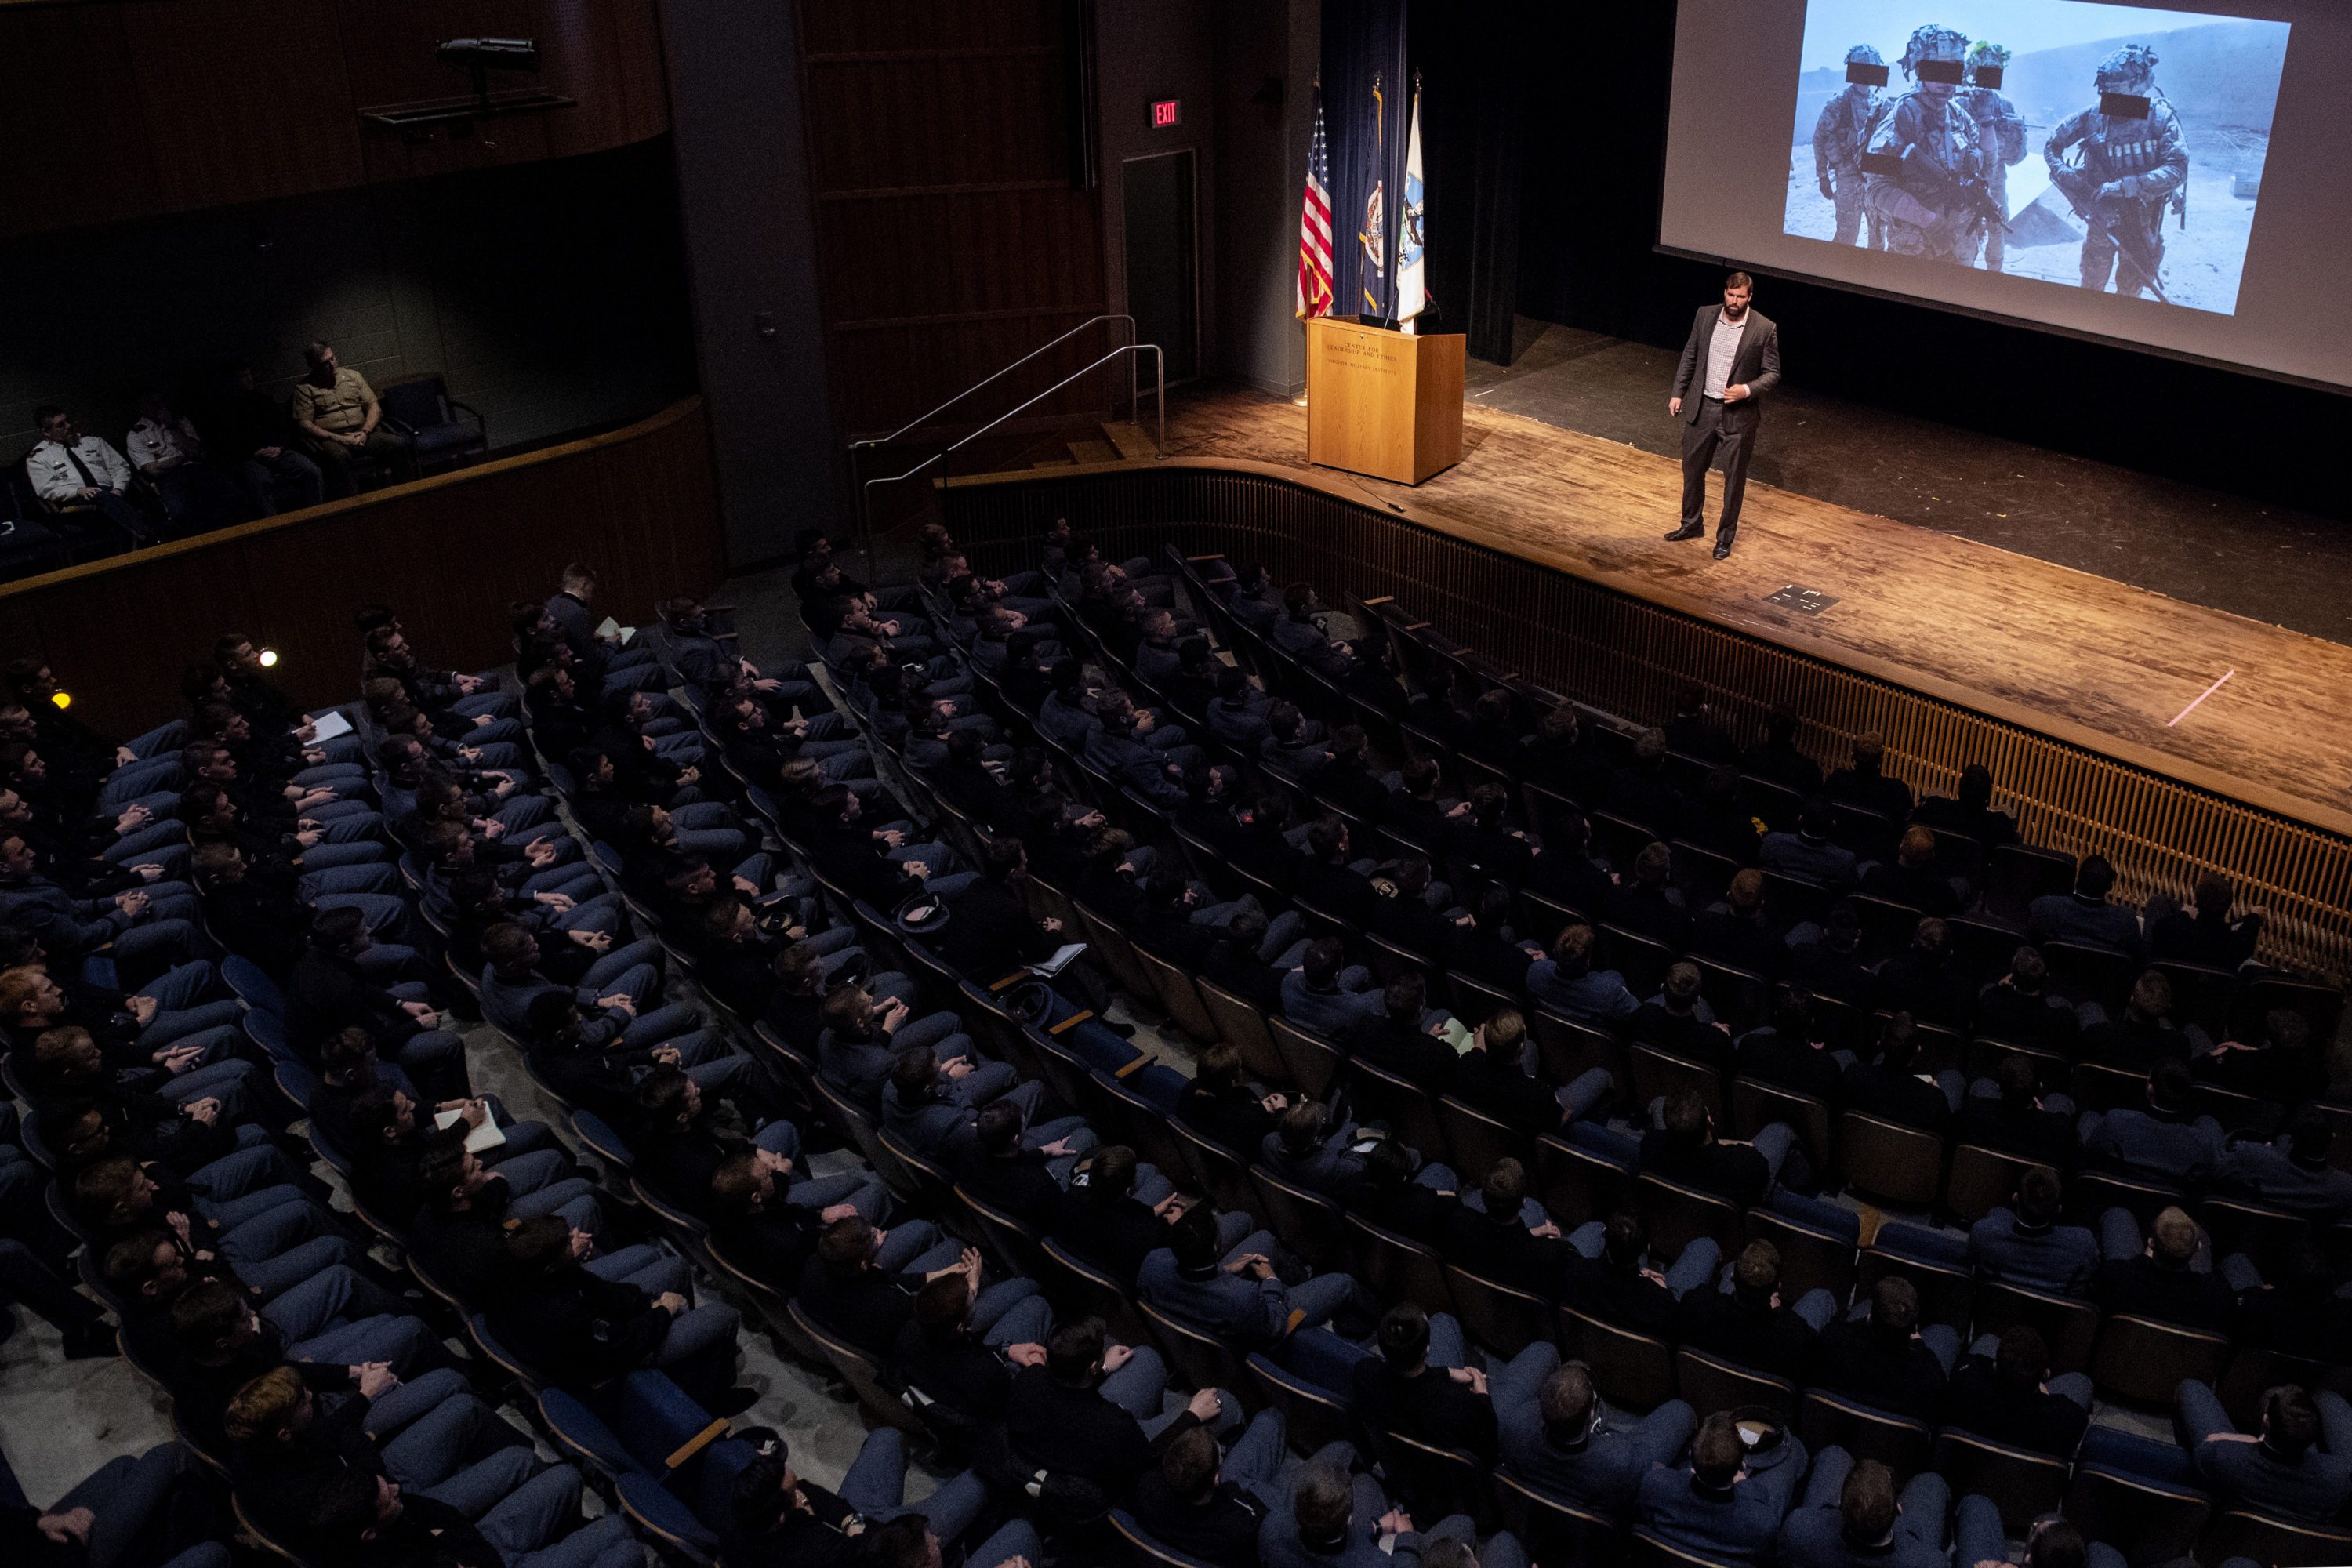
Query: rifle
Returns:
{"type": "Point", "coordinates": [2071, 181]}
{"type": "Point", "coordinates": [1971, 190]}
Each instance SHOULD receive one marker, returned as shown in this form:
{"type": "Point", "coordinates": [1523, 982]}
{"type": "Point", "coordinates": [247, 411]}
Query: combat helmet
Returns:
{"type": "Point", "coordinates": [1934, 42]}
{"type": "Point", "coordinates": [2131, 69]}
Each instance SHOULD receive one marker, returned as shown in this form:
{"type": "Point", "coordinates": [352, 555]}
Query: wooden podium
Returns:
{"type": "Point", "coordinates": [1382, 403]}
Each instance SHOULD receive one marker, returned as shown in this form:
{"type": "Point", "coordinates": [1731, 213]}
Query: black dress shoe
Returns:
{"type": "Point", "coordinates": [1722, 549]}
{"type": "Point", "coordinates": [1686, 533]}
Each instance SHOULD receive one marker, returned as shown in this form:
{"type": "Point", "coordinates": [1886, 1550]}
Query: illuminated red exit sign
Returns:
{"type": "Point", "coordinates": [1167, 112]}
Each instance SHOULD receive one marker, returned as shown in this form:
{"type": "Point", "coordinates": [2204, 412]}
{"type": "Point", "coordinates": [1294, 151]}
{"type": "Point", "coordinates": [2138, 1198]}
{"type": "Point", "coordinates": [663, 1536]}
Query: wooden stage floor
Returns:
{"type": "Point", "coordinates": [2084, 659]}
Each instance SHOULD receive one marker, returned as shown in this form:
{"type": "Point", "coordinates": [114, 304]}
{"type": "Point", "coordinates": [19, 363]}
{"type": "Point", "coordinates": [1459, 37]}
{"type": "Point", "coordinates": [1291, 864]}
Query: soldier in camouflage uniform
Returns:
{"type": "Point", "coordinates": [1922, 151]}
{"type": "Point", "coordinates": [2000, 136]}
{"type": "Point", "coordinates": [1839, 135]}
{"type": "Point", "coordinates": [2129, 170]}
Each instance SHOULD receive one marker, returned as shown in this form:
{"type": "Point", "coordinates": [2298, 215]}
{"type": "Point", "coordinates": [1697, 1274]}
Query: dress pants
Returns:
{"type": "Point", "coordinates": [1735, 438]}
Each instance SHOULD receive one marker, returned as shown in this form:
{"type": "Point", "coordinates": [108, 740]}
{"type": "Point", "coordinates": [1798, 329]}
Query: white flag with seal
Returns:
{"type": "Point", "coordinates": [1411, 293]}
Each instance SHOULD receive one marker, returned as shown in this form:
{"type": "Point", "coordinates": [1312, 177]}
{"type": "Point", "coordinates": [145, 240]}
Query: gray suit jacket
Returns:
{"type": "Point", "coordinates": [1757, 366]}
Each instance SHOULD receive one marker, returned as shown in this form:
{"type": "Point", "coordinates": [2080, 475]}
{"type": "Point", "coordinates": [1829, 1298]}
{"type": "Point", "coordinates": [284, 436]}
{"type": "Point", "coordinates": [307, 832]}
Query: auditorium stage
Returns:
{"type": "Point", "coordinates": [2122, 671]}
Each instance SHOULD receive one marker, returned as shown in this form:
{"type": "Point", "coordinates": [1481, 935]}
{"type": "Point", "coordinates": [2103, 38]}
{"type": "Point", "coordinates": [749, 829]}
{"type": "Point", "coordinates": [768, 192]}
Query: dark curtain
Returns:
{"type": "Point", "coordinates": [1474, 71]}
{"type": "Point", "coordinates": [1475, 68]}
{"type": "Point", "coordinates": [1364, 41]}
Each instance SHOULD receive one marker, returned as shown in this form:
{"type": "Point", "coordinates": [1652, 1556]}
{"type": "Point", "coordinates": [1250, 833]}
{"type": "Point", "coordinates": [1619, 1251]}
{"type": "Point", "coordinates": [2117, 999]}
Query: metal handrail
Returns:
{"type": "Point", "coordinates": [1160, 399]}
{"type": "Point", "coordinates": [926, 418]}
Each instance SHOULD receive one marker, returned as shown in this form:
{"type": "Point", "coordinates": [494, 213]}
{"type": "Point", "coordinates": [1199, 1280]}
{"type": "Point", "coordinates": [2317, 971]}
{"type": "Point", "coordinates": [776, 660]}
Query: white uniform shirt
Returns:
{"type": "Point", "coordinates": [1722, 349]}
{"type": "Point", "coordinates": [152, 445]}
{"type": "Point", "coordinates": [56, 479]}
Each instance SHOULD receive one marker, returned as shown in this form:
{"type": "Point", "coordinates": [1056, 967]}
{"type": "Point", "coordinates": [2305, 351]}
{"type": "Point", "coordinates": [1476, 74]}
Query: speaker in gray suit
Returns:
{"type": "Point", "coordinates": [1732, 359]}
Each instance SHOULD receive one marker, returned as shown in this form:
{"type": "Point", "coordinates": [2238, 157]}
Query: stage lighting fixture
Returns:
{"type": "Point", "coordinates": [269, 658]}
{"type": "Point", "coordinates": [489, 54]}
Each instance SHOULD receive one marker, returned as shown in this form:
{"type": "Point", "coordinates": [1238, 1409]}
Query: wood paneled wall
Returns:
{"type": "Point", "coordinates": [1629, 656]}
{"type": "Point", "coordinates": [449, 553]}
{"type": "Point", "coordinates": [113, 109]}
{"type": "Point", "coordinates": [950, 240]}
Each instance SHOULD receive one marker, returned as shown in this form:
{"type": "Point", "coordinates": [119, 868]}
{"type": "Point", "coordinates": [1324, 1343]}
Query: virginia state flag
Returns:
{"type": "Point", "coordinates": [1411, 291]}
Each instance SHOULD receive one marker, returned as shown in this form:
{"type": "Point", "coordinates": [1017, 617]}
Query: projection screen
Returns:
{"type": "Point", "coordinates": [2173, 176]}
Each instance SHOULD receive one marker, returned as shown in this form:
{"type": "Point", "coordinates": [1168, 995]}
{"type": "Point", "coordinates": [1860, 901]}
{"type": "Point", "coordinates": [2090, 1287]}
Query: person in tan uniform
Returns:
{"type": "Point", "coordinates": [339, 417]}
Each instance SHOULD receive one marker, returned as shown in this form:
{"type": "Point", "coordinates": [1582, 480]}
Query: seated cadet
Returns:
{"type": "Point", "coordinates": [2292, 1173]}
{"type": "Point", "coordinates": [1223, 1105]}
{"type": "Point", "coordinates": [578, 1328]}
{"type": "Point", "coordinates": [1612, 1277]}
{"type": "Point", "coordinates": [1553, 1438]}
{"type": "Point", "coordinates": [1421, 1385]}
{"type": "Point", "coordinates": [1091, 1413]}
{"type": "Point", "coordinates": [1495, 1241]}
{"type": "Point", "coordinates": [1890, 1089]}
{"type": "Point", "coordinates": [1333, 1520]}
{"type": "Point", "coordinates": [1748, 1324]}
{"type": "Point", "coordinates": [2159, 1278]}
{"type": "Point", "coordinates": [1850, 1516]}
{"type": "Point", "coordinates": [1566, 982]}
{"type": "Point", "coordinates": [1884, 1356]}
{"type": "Point", "coordinates": [775, 1518]}
{"type": "Point", "coordinates": [1325, 998]}
{"type": "Point", "coordinates": [861, 1283]}
{"type": "Point", "coordinates": [1242, 1299]}
{"type": "Point", "coordinates": [1718, 1506]}
{"type": "Point", "coordinates": [2017, 1118]}
{"type": "Point", "coordinates": [2019, 1008]}
{"type": "Point", "coordinates": [961, 1349]}
{"type": "Point", "coordinates": [1684, 1150]}
{"type": "Point", "coordinates": [1307, 1150]}
{"type": "Point", "coordinates": [1398, 1039]}
{"type": "Point", "coordinates": [2281, 1471]}
{"type": "Point", "coordinates": [1491, 1077]}
{"type": "Point", "coordinates": [2012, 1396]}
{"type": "Point", "coordinates": [2027, 1247]}
{"type": "Point", "coordinates": [1209, 1508]}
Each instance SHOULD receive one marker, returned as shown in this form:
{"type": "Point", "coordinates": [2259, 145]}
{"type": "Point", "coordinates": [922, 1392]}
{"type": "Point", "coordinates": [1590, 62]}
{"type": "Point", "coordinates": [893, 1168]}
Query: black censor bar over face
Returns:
{"type": "Point", "coordinates": [1864, 74]}
{"type": "Point", "coordinates": [2123, 106]}
{"type": "Point", "coordinates": [1949, 72]}
{"type": "Point", "coordinates": [1989, 75]}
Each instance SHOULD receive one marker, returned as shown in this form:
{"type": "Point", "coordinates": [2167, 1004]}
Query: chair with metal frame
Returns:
{"type": "Point", "coordinates": [1757, 1104]}
{"type": "Point", "coordinates": [1578, 1186]}
{"type": "Point", "coordinates": [1500, 1318]}
{"type": "Point", "coordinates": [1711, 1383]}
{"type": "Point", "coordinates": [1947, 1295]}
{"type": "Point", "coordinates": [1553, 1529]}
{"type": "Point", "coordinates": [1983, 1179]}
{"type": "Point", "coordinates": [1887, 1160]}
{"type": "Point", "coordinates": [2025, 1486]}
{"type": "Point", "coordinates": [1901, 1443]}
{"type": "Point", "coordinates": [1397, 1268]}
{"type": "Point", "coordinates": [2149, 1521]}
{"type": "Point", "coordinates": [1479, 1141]}
{"type": "Point", "coordinates": [1810, 1258]}
{"type": "Point", "coordinates": [2145, 1361]}
{"type": "Point", "coordinates": [1407, 1110]}
{"type": "Point", "coordinates": [2069, 1327]}
{"type": "Point", "coordinates": [2278, 1542]}
{"type": "Point", "coordinates": [1309, 1224]}
{"type": "Point", "coordinates": [1199, 1358]}
{"type": "Point", "coordinates": [1630, 1369]}
{"type": "Point", "coordinates": [1313, 1061]}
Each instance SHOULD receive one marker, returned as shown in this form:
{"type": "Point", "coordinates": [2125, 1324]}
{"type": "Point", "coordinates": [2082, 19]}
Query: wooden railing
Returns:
{"type": "Point", "coordinates": [1624, 654]}
{"type": "Point", "coordinates": [450, 552]}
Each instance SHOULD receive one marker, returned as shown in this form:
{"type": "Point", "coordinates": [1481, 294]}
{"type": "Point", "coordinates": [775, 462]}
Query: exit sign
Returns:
{"type": "Point", "coordinates": [1167, 112]}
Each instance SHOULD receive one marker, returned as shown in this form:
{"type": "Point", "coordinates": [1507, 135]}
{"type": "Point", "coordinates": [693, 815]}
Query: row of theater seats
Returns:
{"type": "Point", "coordinates": [1640, 1370]}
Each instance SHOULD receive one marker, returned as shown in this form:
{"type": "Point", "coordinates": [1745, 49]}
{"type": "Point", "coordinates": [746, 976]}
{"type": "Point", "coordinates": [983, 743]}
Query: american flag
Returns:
{"type": "Point", "coordinates": [1314, 223]}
